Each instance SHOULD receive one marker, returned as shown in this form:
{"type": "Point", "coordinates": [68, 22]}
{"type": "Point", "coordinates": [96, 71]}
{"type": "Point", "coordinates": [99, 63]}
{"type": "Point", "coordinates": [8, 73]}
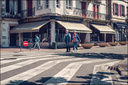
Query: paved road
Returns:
{"type": "Point", "coordinates": [55, 67]}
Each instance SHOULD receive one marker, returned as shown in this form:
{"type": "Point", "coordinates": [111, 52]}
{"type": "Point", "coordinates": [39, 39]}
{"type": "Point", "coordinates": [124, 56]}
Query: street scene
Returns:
{"type": "Point", "coordinates": [95, 66]}
{"type": "Point", "coordinates": [64, 42]}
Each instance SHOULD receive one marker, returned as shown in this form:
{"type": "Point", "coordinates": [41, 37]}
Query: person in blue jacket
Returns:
{"type": "Point", "coordinates": [37, 40]}
{"type": "Point", "coordinates": [67, 39]}
{"type": "Point", "coordinates": [75, 40]}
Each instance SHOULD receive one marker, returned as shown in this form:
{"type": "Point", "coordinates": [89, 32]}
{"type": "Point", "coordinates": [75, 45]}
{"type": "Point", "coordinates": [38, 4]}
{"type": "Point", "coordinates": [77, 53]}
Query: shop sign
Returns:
{"type": "Point", "coordinates": [34, 19]}
{"type": "Point", "coordinates": [68, 19]}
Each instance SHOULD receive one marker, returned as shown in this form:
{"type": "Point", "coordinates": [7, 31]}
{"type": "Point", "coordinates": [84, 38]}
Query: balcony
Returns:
{"type": "Point", "coordinates": [28, 12]}
{"type": "Point", "coordinates": [12, 14]}
{"type": "Point", "coordinates": [15, 14]}
{"type": "Point", "coordinates": [90, 14]}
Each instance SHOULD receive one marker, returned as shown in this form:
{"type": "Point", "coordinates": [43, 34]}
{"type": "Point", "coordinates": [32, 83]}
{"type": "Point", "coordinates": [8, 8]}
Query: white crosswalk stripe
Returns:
{"type": "Point", "coordinates": [35, 71]}
{"type": "Point", "coordinates": [68, 72]}
{"type": "Point", "coordinates": [22, 58]}
{"type": "Point", "coordinates": [22, 64]}
{"type": "Point", "coordinates": [52, 60]}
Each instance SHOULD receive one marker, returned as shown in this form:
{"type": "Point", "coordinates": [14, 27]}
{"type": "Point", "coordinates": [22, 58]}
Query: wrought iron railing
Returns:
{"type": "Point", "coordinates": [90, 14]}
{"type": "Point", "coordinates": [28, 12]}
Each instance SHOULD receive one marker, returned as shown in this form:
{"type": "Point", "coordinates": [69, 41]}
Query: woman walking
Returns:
{"type": "Point", "coordinates": [75, 40]}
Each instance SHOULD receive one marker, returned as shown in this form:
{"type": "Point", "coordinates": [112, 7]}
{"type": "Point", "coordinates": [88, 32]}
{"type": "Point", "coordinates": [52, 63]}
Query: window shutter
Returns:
{"type": "Point", "coordinates": [120, 11]}
{"type": "Point", "coordinates": [124, 11]}
{"type": "Point", "coordinates": [113, 8]}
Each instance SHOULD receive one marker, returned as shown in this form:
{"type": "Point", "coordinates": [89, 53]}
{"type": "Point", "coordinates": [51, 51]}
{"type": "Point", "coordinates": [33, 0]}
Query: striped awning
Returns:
{"type": "Point", "coordinates": [104, 29]}
{"type": "Point", "coordinates": [78, 27]}
{"type": "Point", "coordinates": [28, 27]}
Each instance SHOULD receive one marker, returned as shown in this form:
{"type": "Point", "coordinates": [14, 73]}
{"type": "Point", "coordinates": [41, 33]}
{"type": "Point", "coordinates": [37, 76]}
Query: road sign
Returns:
{"type": "Point", "coordinates": [25, 43]}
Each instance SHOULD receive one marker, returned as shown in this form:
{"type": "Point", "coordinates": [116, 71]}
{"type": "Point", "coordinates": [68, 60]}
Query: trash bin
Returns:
{"type": "Point", "coordinates": [54, 45]}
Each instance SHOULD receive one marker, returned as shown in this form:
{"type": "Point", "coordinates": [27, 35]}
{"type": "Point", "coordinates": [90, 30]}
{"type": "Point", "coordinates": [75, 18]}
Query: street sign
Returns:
{"type": "Point", "coordinates": [25, 43]}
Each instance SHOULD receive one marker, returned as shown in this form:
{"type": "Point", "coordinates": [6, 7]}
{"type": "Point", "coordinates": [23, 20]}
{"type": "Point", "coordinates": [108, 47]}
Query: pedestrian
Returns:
{"type": "Point", "coordinates": [37, 40]}
{"type": "Point", "coordinates": [67, 39]}
{"type": "Point", "coordinates": [75, 40]}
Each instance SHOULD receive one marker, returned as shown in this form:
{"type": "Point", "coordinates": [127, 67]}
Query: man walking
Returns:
{"type": "Point", "coordinates": [67, 39]}
{"type": "Point", "coordinates": [37, 40]}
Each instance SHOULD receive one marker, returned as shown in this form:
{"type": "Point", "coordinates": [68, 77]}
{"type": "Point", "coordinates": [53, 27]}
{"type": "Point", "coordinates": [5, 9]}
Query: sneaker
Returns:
{"type": "Point", "coordinates": [73, 51]}
{"type": "Point", "coordinates": [77, 50]}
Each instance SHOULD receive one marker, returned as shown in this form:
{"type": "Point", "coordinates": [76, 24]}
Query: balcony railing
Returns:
{"type": "Point", "coordinates": [12, 14]}
{"type": "Point", "coordinates": [28, 12]}
{"type": "Point", "coordinates": [90, 14]}
{"type": "Point", "coordinates": [15, 14]}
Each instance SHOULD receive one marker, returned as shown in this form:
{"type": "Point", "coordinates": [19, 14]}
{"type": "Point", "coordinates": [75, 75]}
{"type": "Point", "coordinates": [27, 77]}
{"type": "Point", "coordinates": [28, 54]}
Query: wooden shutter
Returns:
{"type": "Point", "coordinates": [113, 8]}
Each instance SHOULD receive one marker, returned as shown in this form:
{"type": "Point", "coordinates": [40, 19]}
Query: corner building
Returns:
{"type": "Point", "coordinates": [22, 19]}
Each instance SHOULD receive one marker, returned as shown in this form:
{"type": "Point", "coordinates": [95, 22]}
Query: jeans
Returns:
{"type": "Point", "coordinates": [75, 46]}
{"type": "Point", "coordinates": [67, 47]}
{"type": "Point", "coordinates": [36, 43]}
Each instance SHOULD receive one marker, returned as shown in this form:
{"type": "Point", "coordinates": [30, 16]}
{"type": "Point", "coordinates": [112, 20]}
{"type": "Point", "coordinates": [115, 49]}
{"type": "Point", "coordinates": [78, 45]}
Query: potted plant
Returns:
{"type": "Point", "coordinates": [102, 44]}
{"type": "Point", "coordinates": [122, 42]}
{"type": "Point", "coordinates": [87, 45]}
{"type": "Point", "coordinates": [113, 43]}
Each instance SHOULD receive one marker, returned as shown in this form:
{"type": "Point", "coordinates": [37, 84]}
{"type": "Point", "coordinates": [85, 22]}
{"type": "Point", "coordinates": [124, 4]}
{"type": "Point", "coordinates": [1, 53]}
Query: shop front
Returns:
{"type": "Point", "coordinates": [121, 31]}
{"type": "Point", "coordinates": [101, 32]}
{"type": "Point", "coordinates": [50, 29]}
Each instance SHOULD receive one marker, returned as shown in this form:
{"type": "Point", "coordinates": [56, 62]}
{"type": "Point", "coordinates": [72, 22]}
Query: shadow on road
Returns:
{"type": "Point", "coordinates": [96, 55]}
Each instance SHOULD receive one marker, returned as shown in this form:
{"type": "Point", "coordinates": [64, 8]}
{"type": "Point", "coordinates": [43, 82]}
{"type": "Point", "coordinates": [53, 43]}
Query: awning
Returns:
{"type": "Point", "coordinates": [28, 27]}
{"type": "Point", "coordinates": [104, 29]}
{"type": "Point", "coordinates": [78, 27]}
{"type": "Point", "coordinates": [121, 25]}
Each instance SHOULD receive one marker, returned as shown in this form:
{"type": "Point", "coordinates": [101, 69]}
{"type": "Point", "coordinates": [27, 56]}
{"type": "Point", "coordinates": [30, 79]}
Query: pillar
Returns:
{"type": "Point", "coordinates": [104, 37]}
{"type": "Point", "coordinates": [87, 38]}
{"type": "Point", "coordinates": [19, 39]}
{"type": "Point", "coordinates": [52, 31]}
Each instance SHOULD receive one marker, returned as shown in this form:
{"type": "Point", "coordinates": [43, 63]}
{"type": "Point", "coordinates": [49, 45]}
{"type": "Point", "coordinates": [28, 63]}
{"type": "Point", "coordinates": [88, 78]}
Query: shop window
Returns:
{"type": "Point", "coordinates": [58, 3]}
{"type": "Point", "coordinates": [47, 4]}
{"type": "Point", "coordinates": [69, 4]}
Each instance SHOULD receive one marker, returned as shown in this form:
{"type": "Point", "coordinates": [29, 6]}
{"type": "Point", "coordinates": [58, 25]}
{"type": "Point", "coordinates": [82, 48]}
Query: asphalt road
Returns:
{"type": "Point", "coordinates": [56, 67]}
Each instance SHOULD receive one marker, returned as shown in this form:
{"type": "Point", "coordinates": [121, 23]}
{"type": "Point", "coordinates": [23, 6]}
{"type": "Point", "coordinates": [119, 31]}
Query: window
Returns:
{"type": "Point", "coordinates": [58, 3]}
{"type": "Point", "coordinates": [115, 9]}
{"type": "Point", "coordinates": [95, 11]}
{"type": "Point", "coordinates": [122, 10]}
{"type": "Point", "coordinates": [39, 7]}
{"type": "Point", "coordinates": [69, 4]}
{"type": "Point", "coordinates": [47, 4]}
{"type": "Point", "coordinates": [7, 5]}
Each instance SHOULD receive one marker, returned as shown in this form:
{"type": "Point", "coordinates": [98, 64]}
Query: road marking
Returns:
{"type": "Point", "coordinates": [106, 78]}
{"type": "Point", "coordinates": [67, 73]}
{"type": "Point", "coordinates": [34, 57]}
{"type": "Point", "coordinates": [25, 63]}
{"type": "Point", "coordinates": [35, 71]}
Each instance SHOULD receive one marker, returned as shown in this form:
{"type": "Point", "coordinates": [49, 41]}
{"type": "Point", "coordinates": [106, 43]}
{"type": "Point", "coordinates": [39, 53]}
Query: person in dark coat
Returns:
{"type": "Point", "coordinates": [67, 39]}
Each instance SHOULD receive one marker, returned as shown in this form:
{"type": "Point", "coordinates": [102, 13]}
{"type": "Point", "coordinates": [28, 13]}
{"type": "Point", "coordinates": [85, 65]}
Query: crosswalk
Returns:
{"type": "Point", "coordinates": [33, 65]}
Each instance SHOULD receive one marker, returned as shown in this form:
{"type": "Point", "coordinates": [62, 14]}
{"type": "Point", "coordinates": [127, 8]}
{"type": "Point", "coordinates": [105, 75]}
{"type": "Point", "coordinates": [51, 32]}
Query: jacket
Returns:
{"type": "Point", "coordinates": [77, 39]}
{"type": "Point", "coordinates": [67, 37]}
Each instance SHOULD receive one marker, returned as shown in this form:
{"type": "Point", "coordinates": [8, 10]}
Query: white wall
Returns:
{"type": "Point", "coordinates": [119, 3]}
{"type": "Point", "coordinates": [5, 32]}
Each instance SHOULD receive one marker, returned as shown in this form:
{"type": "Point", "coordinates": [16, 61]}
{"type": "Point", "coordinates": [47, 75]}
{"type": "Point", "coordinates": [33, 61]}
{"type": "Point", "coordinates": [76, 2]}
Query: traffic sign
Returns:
{"type": "Point", "coordinates": [25, 43]}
